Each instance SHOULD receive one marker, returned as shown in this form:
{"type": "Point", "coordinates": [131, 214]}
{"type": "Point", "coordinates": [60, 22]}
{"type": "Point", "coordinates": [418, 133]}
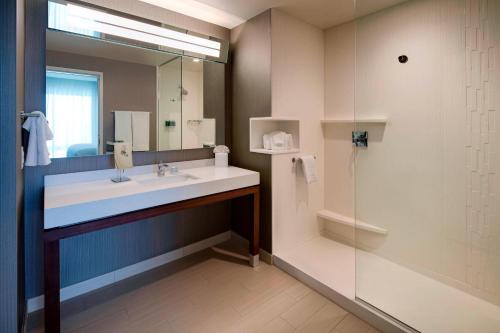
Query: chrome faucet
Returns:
{"type": "Point", "coordinates": [162, 167]}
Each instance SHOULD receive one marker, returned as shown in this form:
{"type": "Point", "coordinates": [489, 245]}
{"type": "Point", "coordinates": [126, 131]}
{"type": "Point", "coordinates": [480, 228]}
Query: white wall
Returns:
{"type": "Point", "coordinates": [429, 175]}
{"type": "Point", "coordinates": [194, 134]}
{"type": "Point", "coordinates": [169, 105]}
{"type": "Point", "coordinates": [339, 102]}
{"type": "Point", "coordinates": [297, 92]}
{"type": "Point", "coordinates": [192, 107]}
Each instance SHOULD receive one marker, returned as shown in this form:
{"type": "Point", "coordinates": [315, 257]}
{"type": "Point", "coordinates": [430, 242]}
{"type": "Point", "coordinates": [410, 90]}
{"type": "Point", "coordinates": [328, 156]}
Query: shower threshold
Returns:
{"type": "Point", "coordinates": [419, 301]}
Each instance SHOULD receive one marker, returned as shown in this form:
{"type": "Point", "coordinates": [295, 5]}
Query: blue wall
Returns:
{"type": "Point", "coordinates": [9, 296]}
{"type": "Point", "coordinates": [94, 254]}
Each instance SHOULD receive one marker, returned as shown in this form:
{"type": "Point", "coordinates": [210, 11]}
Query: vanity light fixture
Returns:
{"type": "Point", "coordinates": [200, 10]}
{"type": "Point", "coordinates": [196, 60]}
{"type": "Point", "coordinates": [86, 18]}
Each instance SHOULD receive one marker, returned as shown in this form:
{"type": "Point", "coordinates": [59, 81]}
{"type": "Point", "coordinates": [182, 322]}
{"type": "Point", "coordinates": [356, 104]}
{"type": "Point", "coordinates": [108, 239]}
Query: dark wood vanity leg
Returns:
{"type": "Point", "coordinates": [254, 235]}
{"type": "Point", "coordinates": [52, 285]}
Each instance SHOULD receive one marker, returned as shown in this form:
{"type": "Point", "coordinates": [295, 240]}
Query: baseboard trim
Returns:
{"type": "Point", "coordinates": [263, 254]}
{"type": "Point", "coordinates": [37, 303]}
{"type": "Point", "coordinates": [266, 257]}
{"type": "Point", "coordinates": [375, 318]}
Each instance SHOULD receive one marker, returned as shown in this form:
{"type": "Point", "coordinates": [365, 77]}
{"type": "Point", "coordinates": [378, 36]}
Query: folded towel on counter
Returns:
{"type": "Point", "coordinates": [40, 133]}
{"type": "Point", "coordinates": [266, 141]}
{"type": "Point", "coordinates": [289, 141]}
{"type": "Point", "coordinates": [309, 168]}
{"type": "Point", "coordinates": [278, 140]}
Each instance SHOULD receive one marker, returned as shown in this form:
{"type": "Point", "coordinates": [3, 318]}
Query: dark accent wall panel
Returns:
{"type": "Point", "coordinates": [94, 254]}
{"type": "Point", "coordinates": [9, 296]}
{"type": "Point", "coordinates": [251, 97]}
{"type": "Point", "coordinates": [19, 170]}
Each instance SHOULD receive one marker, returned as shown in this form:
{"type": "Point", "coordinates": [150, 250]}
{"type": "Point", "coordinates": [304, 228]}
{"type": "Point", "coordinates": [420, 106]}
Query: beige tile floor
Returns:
{"type": "Point", "coordinates": [218, 295]}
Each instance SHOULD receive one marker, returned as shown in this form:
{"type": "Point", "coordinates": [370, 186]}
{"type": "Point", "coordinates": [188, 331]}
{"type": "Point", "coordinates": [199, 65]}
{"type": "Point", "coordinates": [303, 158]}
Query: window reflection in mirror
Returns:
{"type": "Point", "coordinates": [74, 97]}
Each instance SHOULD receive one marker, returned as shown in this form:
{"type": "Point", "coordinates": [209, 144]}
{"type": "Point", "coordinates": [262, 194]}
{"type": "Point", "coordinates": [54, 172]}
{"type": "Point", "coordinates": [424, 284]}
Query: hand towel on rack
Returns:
{"type": "Point", "coordinates": [140, 131]}
{"type": "Point", "coordinates": [40, 133]}
{"type": "Point", "coordinates": [309, 168]}
{"type": "Point", "coordinates": [123, 126]}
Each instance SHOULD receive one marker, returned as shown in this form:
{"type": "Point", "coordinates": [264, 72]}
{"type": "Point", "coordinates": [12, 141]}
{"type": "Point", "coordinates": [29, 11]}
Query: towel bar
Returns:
{"type": "Point", "coordinates": [294, 159]}
{"type": "Point", "coordinates": [28, 114]}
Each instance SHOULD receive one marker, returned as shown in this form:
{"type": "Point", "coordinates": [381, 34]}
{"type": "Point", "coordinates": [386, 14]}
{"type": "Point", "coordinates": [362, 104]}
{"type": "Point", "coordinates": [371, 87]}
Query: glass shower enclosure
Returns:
{"type": "Point", "coordinates": [426, 92]}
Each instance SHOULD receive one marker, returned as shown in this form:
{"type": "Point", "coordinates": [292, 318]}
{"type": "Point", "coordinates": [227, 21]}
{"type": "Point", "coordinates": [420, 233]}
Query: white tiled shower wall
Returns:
{"type": "Point", "coordinates": [430, 176]}
{"type": "Point", "coordinates": [297, 93]}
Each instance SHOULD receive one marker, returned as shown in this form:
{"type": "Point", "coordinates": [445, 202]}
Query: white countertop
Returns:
{"type": "Point", "coordinates": [85, 196]}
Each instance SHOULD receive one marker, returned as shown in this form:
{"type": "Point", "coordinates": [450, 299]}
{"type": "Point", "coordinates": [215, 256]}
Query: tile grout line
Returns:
{"type": "Point", "coordinates": [309, 317]}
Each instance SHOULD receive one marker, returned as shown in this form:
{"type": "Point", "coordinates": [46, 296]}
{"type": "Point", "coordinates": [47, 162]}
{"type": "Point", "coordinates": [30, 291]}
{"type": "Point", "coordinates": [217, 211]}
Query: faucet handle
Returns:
{"type": "Point", "coordinates": [160, 170]}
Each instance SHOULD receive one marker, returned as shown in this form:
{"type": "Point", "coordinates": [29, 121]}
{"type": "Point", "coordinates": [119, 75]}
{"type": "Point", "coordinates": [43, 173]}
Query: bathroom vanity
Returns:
{"type": "Point", "coordinates": [84, 202]}
{"type": "Point", "coordinates": [150, 85]}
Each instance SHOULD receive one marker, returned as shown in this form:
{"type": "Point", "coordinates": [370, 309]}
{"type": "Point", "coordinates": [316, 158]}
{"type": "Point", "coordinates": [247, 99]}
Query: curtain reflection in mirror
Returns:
{"type": "Point", "coordinates": [72, 104]}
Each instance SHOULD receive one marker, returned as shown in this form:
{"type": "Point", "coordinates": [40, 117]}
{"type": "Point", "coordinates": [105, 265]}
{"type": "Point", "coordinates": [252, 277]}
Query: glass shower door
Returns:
{"type": "Point", "coordinates": [427, 89]}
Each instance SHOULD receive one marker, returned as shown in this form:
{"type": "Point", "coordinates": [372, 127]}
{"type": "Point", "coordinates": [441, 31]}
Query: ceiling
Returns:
{"type": "Point", "coordinates": [320, 13]}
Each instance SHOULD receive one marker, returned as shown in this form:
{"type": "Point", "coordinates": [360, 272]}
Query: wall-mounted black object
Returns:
{"type": "Point", "coordinates": [403, 59]}
{"type": "Point", "coordinates": [169, 123]}
{"type": "Point", "coordinates": [360, 138]}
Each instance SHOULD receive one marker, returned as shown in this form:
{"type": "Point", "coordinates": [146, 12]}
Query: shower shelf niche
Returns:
{"type": "Point", "coordinates": [264, 125]}
{"type": "Point", "coordinates": [349, 221]}
{"type": "Point", "coordinates": [361, 120]}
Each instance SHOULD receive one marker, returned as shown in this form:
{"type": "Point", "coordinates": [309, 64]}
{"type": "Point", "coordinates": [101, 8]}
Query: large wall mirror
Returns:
{"type": "Point", "coordinates": [103, 88]}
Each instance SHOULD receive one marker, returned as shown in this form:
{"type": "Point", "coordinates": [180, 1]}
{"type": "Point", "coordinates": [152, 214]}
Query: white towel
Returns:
{"type": "Point", "coordinates": [140, 131]}
{"type": "Point", "coordinates": [289, 141]}
{"type": "Point", "coordinates": [123, 126]}
{"type": "Point", "coordinates": [40, 132]}
{"type": "Point", "coordinates": [309, 168]}
{"type": "Point", "coordinates": [278, 140]}
{"type": "Point", "coordinates": [266, 140]}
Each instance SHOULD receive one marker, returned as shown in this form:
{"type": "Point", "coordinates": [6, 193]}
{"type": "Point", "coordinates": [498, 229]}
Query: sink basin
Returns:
{"type": "Point", "coordinates": [164, 180]}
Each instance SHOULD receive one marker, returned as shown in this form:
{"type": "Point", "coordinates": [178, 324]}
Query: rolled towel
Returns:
{"type": "Point", "coordinates": [40, 133]}
{"type": "Point", "coordinates": [266, 141]}
{"type": "Point", "coordinates": [289, 141]}
{"type": "Point", "coordinates": [278, 140]}
{"type": "Point", "coordinates": [309, 168]}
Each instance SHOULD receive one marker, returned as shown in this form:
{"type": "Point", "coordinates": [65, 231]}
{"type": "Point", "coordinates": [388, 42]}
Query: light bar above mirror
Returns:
{"type": "Point", "coordinates": [96, 23]}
